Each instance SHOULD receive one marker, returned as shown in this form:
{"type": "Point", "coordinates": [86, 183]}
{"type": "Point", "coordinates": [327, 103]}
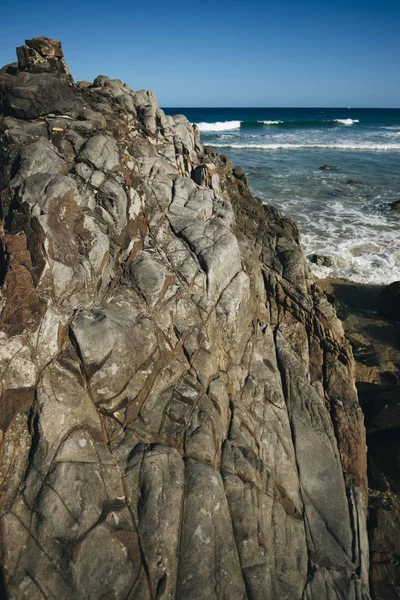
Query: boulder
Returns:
{"type": "Point", "coordinates": [40, 85]}
{"type": "Point", "coordinates": [389, 302]}
{"type": "Point", "coordinates": [395, 205]}
{"type": "Point", "coordinates": [240, 174]}
{"type": "Point", "coordinates": [42, 55]}
{"type": "Point", "coordinates": [29, 96]}
{"type": "Point", "coordinates": [321, 260]}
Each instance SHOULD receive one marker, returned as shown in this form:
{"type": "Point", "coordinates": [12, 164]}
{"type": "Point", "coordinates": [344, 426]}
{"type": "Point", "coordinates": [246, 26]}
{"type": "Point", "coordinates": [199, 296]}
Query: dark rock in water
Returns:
{"type": "Point", "coordinates": [327, 168]}
{"type": "Point", "coordinates": [389, 302]}
{"type": "Point", "coordinates": [321, 260]}
{"type": "Point", "coordinates": [178, 417]}
{"type": "Point", "coordinates": [395, 205]}
{"type": "Point", "coordinates": [240, 174]}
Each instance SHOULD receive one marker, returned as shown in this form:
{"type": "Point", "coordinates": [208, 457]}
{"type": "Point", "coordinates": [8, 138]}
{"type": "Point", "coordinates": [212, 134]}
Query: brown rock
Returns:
{"type": "Point", "coordinates": [41, 55]}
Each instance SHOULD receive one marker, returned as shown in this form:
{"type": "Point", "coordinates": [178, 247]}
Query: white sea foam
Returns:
{"type": "Point", "coordinates": [346, 121]}
{"type": "Point", "coordinates": [219, 126]}
{"type": "Point", "coordinates": [363, 246]}
{"type": "Point", "coordinates": [356, 259]}
{"type": "Point", "coordinates": [368, 268]}
{"type": "Point", "coordinates": [367, 146]}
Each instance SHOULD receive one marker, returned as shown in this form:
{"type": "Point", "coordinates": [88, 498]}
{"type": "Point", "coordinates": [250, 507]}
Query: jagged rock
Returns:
{"type": "Point", "coordinates": [321, 260]}
{"type": "Point", "coordinates": [179, 416]}
{"type": "Point", "coordinates": [42, 55]}
{"type": "Point", "coordinates": [240, 174]}
{"type": "Point", "coordinates": [40, 85]}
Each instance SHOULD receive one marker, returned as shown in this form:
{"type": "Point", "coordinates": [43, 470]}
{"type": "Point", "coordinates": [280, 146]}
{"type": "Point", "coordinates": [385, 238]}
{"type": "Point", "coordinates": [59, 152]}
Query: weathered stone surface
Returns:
{"type": "Point", "coordinates": [178, 412]}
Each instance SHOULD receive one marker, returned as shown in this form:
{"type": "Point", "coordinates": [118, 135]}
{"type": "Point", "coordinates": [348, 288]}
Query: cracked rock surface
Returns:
{"type": "Point", "coordinates": [179, 417]}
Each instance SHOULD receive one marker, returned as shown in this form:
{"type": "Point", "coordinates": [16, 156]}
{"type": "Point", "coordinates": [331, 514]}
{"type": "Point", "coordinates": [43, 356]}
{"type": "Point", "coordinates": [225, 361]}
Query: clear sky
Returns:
{"type": "Point", "coordinates": [226, 52]}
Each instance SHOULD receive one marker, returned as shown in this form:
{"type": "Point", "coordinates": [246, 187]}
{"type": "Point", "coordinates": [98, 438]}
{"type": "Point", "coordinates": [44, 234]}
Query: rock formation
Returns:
{"type": "Point", "coordinates": [369, 320]}
{"type": "Point", "coordinates": [179, 417]}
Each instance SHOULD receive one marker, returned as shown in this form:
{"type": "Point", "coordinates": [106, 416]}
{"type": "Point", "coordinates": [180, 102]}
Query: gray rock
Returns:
{"type": "Point", "coordinates": [149, 276]}
{"type": "Point", "coordinates": [101, 81]}
{"type": "Point", "coordinates": [101, 152]}
{"type": "Point", "coordinates": [38, 158]}
{"type": "Point", "coordinates": [179, 416]}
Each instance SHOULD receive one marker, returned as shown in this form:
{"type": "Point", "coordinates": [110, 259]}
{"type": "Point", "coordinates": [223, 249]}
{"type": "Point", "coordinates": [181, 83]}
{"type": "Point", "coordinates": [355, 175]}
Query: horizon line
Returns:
{"type": "Point", "coordinates": [292, 107]}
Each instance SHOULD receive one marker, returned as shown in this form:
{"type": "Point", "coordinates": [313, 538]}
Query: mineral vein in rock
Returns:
{"type": "Point", "coordinates": [178, 415]}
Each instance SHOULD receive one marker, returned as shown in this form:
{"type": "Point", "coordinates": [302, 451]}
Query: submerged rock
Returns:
{"type": "Point", "coordinates": [395, 205]}
{"type": "Point", "coordinates": [179, 415]}
{"type": "Point", "coordinates": [328, 168]}
{"type": "Point", "coordinates": [321, 260]}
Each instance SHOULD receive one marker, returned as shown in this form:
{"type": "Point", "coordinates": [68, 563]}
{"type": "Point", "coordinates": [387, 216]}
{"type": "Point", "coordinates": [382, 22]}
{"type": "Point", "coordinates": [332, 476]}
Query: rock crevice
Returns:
{"type": "Point", "coordinates": [181, 419]}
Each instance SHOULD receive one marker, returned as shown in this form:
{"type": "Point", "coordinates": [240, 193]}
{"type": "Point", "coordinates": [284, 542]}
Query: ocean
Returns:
{"type": "Point", "coordinates": [344, 212]}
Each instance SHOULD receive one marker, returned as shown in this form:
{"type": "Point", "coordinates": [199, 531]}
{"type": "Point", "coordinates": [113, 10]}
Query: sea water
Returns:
{"type": "Point", "coordinates": [343, 213]}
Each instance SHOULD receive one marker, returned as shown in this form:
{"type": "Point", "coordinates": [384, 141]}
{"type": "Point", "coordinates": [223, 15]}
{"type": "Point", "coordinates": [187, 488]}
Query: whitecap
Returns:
{"type": "Point", "coordinates": [270, 122]}
{"type": "Point", "coordinates": [346, 121]}
{"type": "Point", "coordinates": [366, 146]}
{"type": "Point", "coordinates": [219, 126]}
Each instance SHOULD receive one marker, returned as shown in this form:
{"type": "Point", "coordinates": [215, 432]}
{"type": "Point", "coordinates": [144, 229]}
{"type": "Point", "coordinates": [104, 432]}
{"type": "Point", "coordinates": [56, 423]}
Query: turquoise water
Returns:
{"type": "Point", "coordinates": [344, 212]}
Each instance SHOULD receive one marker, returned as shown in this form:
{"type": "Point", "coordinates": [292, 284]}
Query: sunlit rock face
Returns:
{"type": "Point", "coordinates": [178, 415]}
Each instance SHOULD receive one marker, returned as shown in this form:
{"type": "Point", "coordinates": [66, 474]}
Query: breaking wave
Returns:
{"type": "Point", "coordinates": [219, 126]}
{"type": "Point", "coordinates": [230, 125]}
{"type": "Point", "coordinates": [270, 122]}
{"type": "Point", "coordinates": [364, 146]}
{"type": "Point", "coordinates": [346, 121]}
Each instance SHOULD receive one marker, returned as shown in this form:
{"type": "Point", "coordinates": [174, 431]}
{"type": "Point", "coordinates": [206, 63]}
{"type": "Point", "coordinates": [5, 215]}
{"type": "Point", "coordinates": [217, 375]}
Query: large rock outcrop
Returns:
{"type": "Point", "coordinates": [178, 414]}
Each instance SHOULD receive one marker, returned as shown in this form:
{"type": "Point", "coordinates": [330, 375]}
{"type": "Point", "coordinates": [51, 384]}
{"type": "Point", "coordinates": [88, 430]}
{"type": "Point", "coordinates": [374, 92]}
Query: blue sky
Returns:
{"type": "Point", "coordinates": [225, 53]}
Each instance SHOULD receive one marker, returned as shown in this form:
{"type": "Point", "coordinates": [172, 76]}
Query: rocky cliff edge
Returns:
{"type": "Point", "coordinates": [178, 413]}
